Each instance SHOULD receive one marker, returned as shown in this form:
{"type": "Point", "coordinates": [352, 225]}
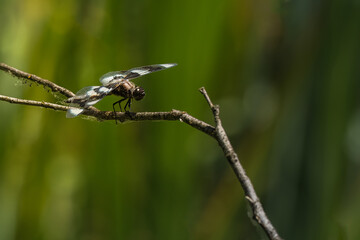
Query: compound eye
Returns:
{"type": "Point", "coordinates": [139, 93]}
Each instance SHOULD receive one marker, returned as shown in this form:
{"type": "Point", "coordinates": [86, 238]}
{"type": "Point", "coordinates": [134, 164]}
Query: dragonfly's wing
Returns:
{"type": "Point", "coordinates": [73, 112]}
{"type": "Point", "coordinates": [86, 97]}
{"type": "Point", "coordinates": [141, 71]}
{"type": "Point", "coordinates": [111, 77]}
{"type": "Point", "coordinates": [118, 76]}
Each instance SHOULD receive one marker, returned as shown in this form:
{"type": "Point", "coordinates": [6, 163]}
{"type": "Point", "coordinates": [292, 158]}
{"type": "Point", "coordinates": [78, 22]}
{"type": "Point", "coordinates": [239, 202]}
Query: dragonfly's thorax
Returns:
{"type": "Point", "coordinates": [128, 89]}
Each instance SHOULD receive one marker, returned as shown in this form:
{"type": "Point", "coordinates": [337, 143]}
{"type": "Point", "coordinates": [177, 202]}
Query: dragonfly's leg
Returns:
{"type": "Point", "coordinates": [120, 104]}
{"type": "Point", "coordinates": [117, 102]}
{"type": "Point", "coordinates": [128, 104]}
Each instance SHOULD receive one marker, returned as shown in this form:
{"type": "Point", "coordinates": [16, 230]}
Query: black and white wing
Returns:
{"type": "Point", "coordinates": [141, 71]}
{"type": "Point", "coordinates": [118, 76]}
{"type": "Point", "coordinates": [86, 97]}
{"type": "Point", "coordinates": [112, 77]}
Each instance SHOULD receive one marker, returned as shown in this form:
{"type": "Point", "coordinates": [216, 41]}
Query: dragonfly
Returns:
{"type": "Point", "coordinates": [113, 83]}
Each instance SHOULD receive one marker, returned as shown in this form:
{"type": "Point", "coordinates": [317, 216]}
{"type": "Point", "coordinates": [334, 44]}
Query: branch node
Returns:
{"type": "Point", "coordinates": [249, 199]}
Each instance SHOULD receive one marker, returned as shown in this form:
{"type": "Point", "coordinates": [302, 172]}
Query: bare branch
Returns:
{"type": "Point", "coordinates": [216, 132]}
{"type": "Point", "coordinates": [27, 76]}
{"type": "Point", "coordinates": [257, 210]}
{"type": "Point", "coordinates": [34, 103]}
{"type": "Point", "coordinates": [174, 115]}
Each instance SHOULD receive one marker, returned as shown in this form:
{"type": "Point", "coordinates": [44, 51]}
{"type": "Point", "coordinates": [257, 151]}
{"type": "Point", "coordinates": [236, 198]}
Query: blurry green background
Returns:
{"type": "Point", "coordinates": [285, 73]}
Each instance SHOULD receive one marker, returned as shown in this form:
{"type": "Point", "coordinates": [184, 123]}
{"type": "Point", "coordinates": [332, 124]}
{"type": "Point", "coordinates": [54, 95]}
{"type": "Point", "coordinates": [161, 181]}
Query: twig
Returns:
{"type": "Point", "coordinates": [34, 103]}
{"type": "Point", "coordinates": [216, 132]}
{"type": "Point", "coordinates": [18, 73]}
{"type": "Point", "coordinates": [174, 115]}
{"type": "Point", "coordinates": [258, 212]}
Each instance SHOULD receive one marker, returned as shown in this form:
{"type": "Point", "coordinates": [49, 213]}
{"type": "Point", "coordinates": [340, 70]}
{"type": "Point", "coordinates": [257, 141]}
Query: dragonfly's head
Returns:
{"type": "Point", "coordinates": [138, 93]}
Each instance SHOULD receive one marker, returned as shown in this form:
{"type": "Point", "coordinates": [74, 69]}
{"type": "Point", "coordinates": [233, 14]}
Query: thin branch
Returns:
{"type": "Point", "coordinates": [34, 103]}
{"type": "Point", "coordinates": [216, 132]}
{"type": "Point", "coordinates": [174, 115]}
{"type": "Point", "coordinates": [258, 212]}
{"type": "Point", "coordinates": [27, 76]}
